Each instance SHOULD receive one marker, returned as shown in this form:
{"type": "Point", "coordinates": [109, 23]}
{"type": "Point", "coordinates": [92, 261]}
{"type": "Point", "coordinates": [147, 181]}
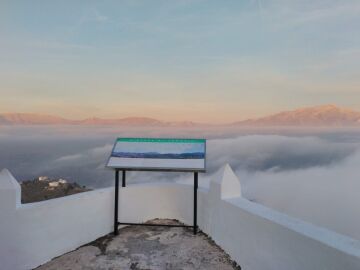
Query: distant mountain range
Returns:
{"type": "Point", "coordinates": [39, 119]}
{"type": "Point", "coordinates": [326, 115]}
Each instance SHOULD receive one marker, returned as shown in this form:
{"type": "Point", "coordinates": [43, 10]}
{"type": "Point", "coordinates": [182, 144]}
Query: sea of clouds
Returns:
{"type": "Point", "coordinates": [312, 174]}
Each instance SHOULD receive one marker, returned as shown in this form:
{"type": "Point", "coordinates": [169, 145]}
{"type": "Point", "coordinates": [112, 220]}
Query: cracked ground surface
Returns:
{"type": "Point", "coordinates": [142, 247]}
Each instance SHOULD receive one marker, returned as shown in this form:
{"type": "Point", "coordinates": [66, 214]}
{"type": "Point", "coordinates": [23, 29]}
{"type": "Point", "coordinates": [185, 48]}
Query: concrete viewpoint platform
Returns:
{"type": "Point", "coordinates": [143, 247]}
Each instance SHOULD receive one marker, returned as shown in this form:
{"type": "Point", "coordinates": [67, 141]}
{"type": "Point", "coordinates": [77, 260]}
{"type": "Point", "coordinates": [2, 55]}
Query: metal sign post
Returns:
{"type": "Point", "coordinates": [156, 154]}
{"type": "Point", "coordinates": [195, 201]}
{"type": "Point", "coordinates": [116, 208]}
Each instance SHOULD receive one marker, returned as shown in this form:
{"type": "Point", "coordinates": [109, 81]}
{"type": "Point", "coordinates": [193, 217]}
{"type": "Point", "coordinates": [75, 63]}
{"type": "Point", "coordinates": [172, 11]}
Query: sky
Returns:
{"type": "Point", "coordinates": [205, 61]}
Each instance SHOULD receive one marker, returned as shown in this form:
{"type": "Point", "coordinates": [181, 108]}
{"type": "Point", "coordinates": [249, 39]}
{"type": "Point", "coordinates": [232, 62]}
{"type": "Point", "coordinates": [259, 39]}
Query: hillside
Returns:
{"type": "Point", "coordinates": [43, 188]}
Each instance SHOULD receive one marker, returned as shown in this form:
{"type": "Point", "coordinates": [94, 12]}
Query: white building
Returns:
{"type": "Point", "coordinates": [62, 181]}
{"type": "Point", "coordinates": [43, 178]}
{"type": "Point", "coordinates": [54, 184]}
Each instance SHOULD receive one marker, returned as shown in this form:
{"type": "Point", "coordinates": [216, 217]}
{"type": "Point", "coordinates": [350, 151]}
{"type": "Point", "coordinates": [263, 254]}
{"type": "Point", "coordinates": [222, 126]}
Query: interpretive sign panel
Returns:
{"type": "Point", "coordinates": [158, 154]}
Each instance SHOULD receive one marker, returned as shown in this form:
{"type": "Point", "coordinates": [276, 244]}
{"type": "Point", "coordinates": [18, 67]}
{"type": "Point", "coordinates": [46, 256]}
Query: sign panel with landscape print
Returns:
{"type": "Point", "coordinates": [158, 154]}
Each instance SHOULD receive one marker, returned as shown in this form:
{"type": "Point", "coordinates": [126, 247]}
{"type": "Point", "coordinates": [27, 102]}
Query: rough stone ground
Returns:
{"type": "Point", "coordinates": [142, 247]}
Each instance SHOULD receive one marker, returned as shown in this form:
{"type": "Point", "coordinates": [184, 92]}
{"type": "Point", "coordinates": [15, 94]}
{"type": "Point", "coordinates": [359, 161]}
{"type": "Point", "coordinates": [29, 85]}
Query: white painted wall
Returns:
{"type": "Point", "coordinates": [256, 237]}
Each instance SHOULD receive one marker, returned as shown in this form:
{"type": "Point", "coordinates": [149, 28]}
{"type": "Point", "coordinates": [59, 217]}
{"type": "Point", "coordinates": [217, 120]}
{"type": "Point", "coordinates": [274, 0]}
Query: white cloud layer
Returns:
{"type": "Point", "coordinates": [327, 196]}
{"type": "Point", "coordinates": [314, 178]}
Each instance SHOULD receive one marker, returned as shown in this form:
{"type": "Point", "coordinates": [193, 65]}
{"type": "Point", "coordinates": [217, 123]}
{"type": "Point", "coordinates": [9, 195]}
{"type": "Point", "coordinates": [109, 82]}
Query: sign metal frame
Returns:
{"type": "Point", "coordinates": [124, 169]}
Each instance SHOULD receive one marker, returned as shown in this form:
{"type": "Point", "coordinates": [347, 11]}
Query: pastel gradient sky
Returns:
{"type": "Point", "coordinates": [209, 61]}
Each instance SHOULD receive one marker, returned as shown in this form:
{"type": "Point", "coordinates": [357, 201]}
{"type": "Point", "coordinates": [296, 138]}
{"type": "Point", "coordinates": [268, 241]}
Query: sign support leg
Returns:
{"type": "Point", "coordinates": [116, 208]}
{"type": "Point", "coordinates": [195, 201]}
{"type": "Point", "coordinates": [123, 178]}
{"type": "Point", "coordinates": [116, 205]}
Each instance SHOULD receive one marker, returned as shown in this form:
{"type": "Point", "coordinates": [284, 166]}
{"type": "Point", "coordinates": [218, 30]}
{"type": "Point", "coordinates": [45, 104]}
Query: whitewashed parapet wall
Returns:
{"type": "Point", "coordinates": [256, 237]}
